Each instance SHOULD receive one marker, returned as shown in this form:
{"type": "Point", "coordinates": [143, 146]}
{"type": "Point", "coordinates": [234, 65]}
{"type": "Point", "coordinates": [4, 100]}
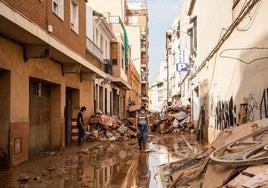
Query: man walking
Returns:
{"type": "Point", "coordinates": [80, 125]}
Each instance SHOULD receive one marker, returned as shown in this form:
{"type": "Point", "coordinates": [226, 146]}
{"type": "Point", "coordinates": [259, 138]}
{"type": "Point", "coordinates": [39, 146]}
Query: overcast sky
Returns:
{"type": "Point", "coordinates": [161, 16]}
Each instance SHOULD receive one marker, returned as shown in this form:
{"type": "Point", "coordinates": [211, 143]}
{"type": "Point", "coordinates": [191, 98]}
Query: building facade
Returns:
{"type": "Point", "coordinates": [137, 21]}
{"type": "Point", "coordinates": [55, 56]}
{"type": "Point", "coordinates": [115, 15]}
{"type": "Point", "coordinates": [227, 77]}
{"type": "Point", "coordinates": [158, 90]}
{"type": "Point", "coordinates": [129, 22]}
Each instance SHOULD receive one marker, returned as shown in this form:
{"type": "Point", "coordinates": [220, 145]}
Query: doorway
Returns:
{"type": "Point", "coordinates": [4, 118]}
{"type": "Point", "coordinates": [40, 116]}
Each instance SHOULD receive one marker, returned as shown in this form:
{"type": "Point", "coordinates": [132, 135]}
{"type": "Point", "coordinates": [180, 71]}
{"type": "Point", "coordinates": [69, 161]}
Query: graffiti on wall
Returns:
{"type": "Point", "coordinates": [264, 104]}
{"type": "Point", "coordinates": [225, 114]}
{"type": "Point", "coordinates": [252, 105]}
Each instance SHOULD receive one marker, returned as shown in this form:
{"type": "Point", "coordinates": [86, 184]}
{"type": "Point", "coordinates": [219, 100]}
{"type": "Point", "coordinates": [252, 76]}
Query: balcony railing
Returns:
{"type": "Point", "coordinates": [108, 67]}
{"type": "Point", "coordinates": [94, 49]}
{"type": "Point", "coordinates": [143, 77]}
{"type": "Point", "coordinates": [144, 96]}
{"type": "Point", "coordinates": [115, 19]}
{"type": "Point", "coordinates": [143, 47]}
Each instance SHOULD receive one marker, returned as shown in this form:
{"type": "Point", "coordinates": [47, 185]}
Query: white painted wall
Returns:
{"type": "Point", "coordinates": [133, 35]}
{"type": "Point", "coordinates": [239, 69]}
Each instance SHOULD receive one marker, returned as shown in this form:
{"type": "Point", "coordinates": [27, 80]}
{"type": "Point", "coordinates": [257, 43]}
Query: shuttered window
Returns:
{"type": "Point", "coordinates": [114, 53]}
{"type": "Point", "coordinates": [58, 8]}
{"type": "Point", "coordinates": [74, 15]}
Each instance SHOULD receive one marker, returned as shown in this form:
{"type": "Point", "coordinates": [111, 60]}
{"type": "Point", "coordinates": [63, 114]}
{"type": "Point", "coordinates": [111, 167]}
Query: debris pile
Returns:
{"type": "Point", "coordinates": [104, 127]}
{"type": "Point", "coordinates": [237, 158]}
{"type": "Point", "coordinates": [174, 119]}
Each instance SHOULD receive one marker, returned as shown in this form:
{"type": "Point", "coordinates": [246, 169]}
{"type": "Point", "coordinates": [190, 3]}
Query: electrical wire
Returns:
{"type": "Point", "coordinates": [251, 18]}
{"type": "Point", "coordinates": [226, 35]}
{"type": "Point", "coordinates": [241, 49]}
{"type": "Point", "coordinates": [215, 61]}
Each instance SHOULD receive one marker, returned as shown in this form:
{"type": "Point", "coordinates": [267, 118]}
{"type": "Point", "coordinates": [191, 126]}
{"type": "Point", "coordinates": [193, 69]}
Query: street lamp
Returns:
{"type": "Point", "coordinates": [178, 30]}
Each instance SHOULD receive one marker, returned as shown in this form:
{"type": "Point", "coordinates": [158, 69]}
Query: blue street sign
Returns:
{"type": "Point", "coordinates": [181, 67]}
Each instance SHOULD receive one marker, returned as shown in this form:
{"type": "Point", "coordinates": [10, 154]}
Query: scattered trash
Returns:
{"type": "Point", "coordinates": [37, 178]}
{"type": "Point", "coordinates": [24, 178]}
{"type": "Point", "coordinates": [50, 169]}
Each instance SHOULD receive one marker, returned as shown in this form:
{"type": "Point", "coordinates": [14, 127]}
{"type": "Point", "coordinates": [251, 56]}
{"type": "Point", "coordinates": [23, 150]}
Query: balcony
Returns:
{"type": "Point", "coordinates": [143, 48]}
{"type": "Point", "coordinates": [143, 77]}
{"type": "Point", "coordinates": [108, 67]}
{"type": "Point", "coordinates": [144, 66]}
{"type": "Point", "coordinates": [115, 19]}
{"type": "Point", "coordinates": [143, 31]}
{"type": "Point", "coordinates": [94, 49]}
{"type": "Point", "coordinates": [144, 96]}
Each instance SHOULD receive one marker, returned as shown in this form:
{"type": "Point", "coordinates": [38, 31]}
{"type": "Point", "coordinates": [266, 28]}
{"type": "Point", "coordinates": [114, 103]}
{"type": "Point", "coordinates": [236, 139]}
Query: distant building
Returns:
{"type": "Point", "coordinates": [137, 16]}
{"type": "Point", "coordinates": [115, 15]}
{"type": "Point", "coordinates": [133, 19]}
{"type": "Point", "coordinates": [158, 90]}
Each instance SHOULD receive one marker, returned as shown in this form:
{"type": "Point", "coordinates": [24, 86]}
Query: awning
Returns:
{"type": "Point", "coordinates": [121, 83]}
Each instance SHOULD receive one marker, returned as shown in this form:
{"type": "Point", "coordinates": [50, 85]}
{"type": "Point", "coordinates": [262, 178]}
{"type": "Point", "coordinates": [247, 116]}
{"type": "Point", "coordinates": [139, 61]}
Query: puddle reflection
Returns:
{"type": "Point", "coordinates": [103, 166]}
{"type": "Point", "coordinates": [143, 172]}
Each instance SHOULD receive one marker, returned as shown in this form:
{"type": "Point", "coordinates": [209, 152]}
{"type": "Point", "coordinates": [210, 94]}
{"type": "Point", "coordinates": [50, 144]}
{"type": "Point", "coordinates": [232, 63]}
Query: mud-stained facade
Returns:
{"type": "Point", "coordinates": [47, 72]}
{"type": "Point", "coordinates": [34, 118]}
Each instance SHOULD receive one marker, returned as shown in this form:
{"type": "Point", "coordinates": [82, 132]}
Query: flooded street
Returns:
{"type": "Point", "coordinates": [103, 164]}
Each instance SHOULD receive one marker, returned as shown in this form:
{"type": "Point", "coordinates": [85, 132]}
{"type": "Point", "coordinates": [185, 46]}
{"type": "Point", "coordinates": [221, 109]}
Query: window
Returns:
{"type": "Point", "coordinates": [97, 37]}
{"type": "Point", "coordinates": [133, 20]}
{"type": "Point", "coordinates": [114, 61]}
{"type": "Point", "coordinates": [123, 58]}
{"type": "Point", "coordinates": [74, 15]}
{"type": "Point", "coordinates": [193, 33]}
{"type": "Point", "coordinates": [101, 42]}
{"type": "Point", "coordinates": [106, 48]}
{"type": "Point", "coordinates": [58, 8]}
{"type": "Point", "coordinates": [114, 53]}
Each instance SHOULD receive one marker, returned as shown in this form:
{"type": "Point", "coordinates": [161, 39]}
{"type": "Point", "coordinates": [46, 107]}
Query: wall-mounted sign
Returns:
{"type": "Point", "coordinates": [181, 67]}
{"type": "Point", "coordinates": [182, 60]}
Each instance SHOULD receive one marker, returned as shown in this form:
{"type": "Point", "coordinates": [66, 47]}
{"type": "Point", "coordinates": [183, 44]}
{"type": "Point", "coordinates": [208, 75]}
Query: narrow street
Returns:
{"type": "Point", "coordinates": [80, 80]}
{"type": "Point", "coordinates": [103, 164]}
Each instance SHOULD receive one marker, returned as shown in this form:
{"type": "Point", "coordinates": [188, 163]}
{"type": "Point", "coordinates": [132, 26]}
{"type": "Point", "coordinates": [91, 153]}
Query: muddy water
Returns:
{"type": "Point", "coordinates": [116, 164]}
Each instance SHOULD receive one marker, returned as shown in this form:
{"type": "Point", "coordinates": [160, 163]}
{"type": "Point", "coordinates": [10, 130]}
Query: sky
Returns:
{"type": "Point", "coordinates": [161, 15]}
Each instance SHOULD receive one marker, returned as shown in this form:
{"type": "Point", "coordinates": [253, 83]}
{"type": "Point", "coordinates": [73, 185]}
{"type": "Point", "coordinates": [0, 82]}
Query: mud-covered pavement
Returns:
{"type": "Point", "coordinates": [103, 164]}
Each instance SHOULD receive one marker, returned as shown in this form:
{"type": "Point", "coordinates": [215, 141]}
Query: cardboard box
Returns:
{"type": "Point", "coordinates": [93, 120]}
{"type": "Point", "coordinates": [134, 107]}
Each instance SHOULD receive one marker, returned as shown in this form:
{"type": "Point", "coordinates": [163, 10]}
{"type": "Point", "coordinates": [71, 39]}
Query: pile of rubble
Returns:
{"type": "Point", "coordinates": [174, 119]}
{"type": "Point", "coordinates": [104, 127]}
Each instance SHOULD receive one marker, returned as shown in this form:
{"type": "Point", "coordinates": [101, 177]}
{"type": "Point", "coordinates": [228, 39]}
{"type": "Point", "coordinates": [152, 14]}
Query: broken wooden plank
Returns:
{"type": "Point", "coordinates": [190, 173]}
{"type": "Point", "coordinates": [246, 175]}
{"type": "Point", "coordinates": [259, 180]}
{"type": "Point", "coordinates": [187, 143]}
{"type": "Point", "coordinates": [216, 175]}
